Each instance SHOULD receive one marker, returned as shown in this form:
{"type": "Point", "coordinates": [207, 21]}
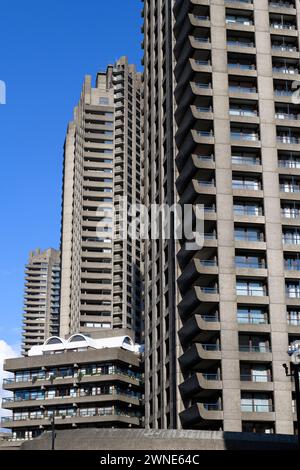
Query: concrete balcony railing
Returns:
{"type": "Point", "coordinates": [206, 354]}
{"type": "Point", "coordinates": [115, 395]}
{"type": "Point", "coordinates": [201, 412]}
{"type": "Point", "coordinates": [199, 327]}
{"type": "Point", "coordinates": [78, 417]}
{"type": "Point", "coordinates": [201, 383]}
{"type": "Point", "coordinates": [256, 382]}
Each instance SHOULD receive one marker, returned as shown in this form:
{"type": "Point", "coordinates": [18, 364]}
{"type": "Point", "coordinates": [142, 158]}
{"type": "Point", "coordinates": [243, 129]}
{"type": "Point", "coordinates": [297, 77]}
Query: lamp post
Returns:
{"type": "Point", "coordinates": [294, 353]}
{"type": "Point", "coordinates": [53, 432]}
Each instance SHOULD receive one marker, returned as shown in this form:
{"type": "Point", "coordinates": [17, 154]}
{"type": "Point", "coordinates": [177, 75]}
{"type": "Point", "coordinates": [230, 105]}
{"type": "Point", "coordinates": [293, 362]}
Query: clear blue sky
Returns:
{"type": "Point", "coordinates": [46, 48]}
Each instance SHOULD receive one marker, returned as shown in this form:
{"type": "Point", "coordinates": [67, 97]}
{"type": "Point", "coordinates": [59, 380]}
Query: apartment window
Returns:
{"type": "Point", "coordinates": [251, 316]}
{"type": "Point", "coordinates": [293, 289]}
{"type": "Point", "coordinates": [256, 403]}
{"type": "Point", "coordinates": [247, 208]}
{"type": "Point", "coordinates": [250, 288]}
{"type": "Point", "coordinates": [293, 317]}
{"type": "Point", "coordinates": [248, 234]}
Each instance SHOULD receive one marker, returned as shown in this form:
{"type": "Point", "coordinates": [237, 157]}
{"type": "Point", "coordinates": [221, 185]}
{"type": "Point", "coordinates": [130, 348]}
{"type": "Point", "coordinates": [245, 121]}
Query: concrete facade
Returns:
{"type": "Point", "coordinates": [237, 152]}
{"type": "Point", "coordinates": [132, 440]}
{"type": "Point", "coordinates": [41, 298]}
{"type": "Point", "coordinates": [101, 286]}
{"type": "Point", "coordinates": [81, 382]}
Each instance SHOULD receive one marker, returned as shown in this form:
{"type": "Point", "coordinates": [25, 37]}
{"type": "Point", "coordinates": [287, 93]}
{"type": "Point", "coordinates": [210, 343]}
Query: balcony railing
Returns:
{"type": "Point", "coordinates": [244, 136]}
{"type": "Point", "coordinates": [116, 371]}
{"type": "Point", "coordinates": [288, 139]}
{"type": "Point", "coordinates": [237, 65]}
{"type": "Point", "coordinates": [211, 318]}
{"type": "Point", "coordinates": [202, 39]}
{"type": "Point", "coordinates": [241, 20]}
{"type": "Point", "coordinates": [205, 86]}
{"type": "Point", "coordinates": [240, 43]}
{"type": "Point", "coordinates": [252, 186]}
{"type": "Point", "coordinates": [240, 160]}
{"type": "Point", "coordinates": [290, 213]}
{"type": "Point", "coordinates": [255, 349]}
{"type": "Point", "coordinates": [211, 377]}
{"type": "Point", "coordinates": [249, 237]}
{"type": "Point", "coordinates": [291, 239]}
{"type": "Point", "coordinates": [254, 377]}
{"type": "Point", "coordinates": [248, 211]}
{"type": "Point", "coordinates": [209, 263]}
{"type": "Point", "coordinates": [281, 4]}
{"type": "Point", "coordinates": [293, 321]}
{"type": "Point", "coordinates": [282, 92]}
{"type": "Point", "coordinates": [289, 163]}
{"type": "Point", "coordinates": [242, 89]}
{"type": "Point", "coordinates": [256, 408]}
{"type": "Point", "coordinates": [292, 293]}
{"type": "Point", "coordinates": [286, 70]}
{"type": "Point", "coordinates": [243, 112]}
{"type": "Point", "coordinates": [249, 291]}
{"type": "Point", "coordinates": [211, 347]}
{"type": "Point", "coordinates": [250, 264]}
{"type": "Point", "coordinates": [74, 414]}
{"type": "Point", "coordinates": [212, 406]}
{"type": "Point", "coordinates": [75, 396]}
{"type": "Point", "coordinates": [284, 48]}
{"type": "Point", "coordinates": [250, 319]}
{"type": "Point", "coordinates": [289, 116]}
{"type": "Point", "coordinates": [205, 133]}
{"type": "Point", "coordinates": [202, 109]}
{"type": "Point", "coordinates": [289, 26]}
{"type": "Point", "coordinates": [207, 184]}
{"type": "Point", "coordinates": [203, 62]}
{"type": "Point", "coordinates": [201, 17]}
{"type": "Point", "coordinates": [210, 290]}
{"type": "Point", "coordinates": [206, 158]}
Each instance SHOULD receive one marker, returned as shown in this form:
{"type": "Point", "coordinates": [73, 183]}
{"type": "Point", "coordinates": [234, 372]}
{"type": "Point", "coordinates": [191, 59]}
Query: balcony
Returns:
{"type": "Point", "coordinates": [240, 46]}
{"type": "Point", "coordinates": [256, 411]}
{"type": "Point", "coordinates": [201, 384]}
{"type": "Point", "coordinates": [285, 50]}
{"type": "Point", "coordinates": [286, 70]}
{"type": "Point", "coordinates": [257, 353]}
{"type": "Point", "coordinates": [245, 138]}
{"type": "Point", "coordinates": [114, 415]}
{"type": "Point", "coordinates": [290, 213]}
{"type": "Point", "coordinates": [201, 414]}
{"type": "Point", "coordinates": [255, 381]}
{"type": "Point", "coordinates": [283, 7]}
{"type": "Point", "coordinates": [282, 116]}
{"type": "Point", "coordinates": [246, 160]}
{"type": "Point", "coordinates": [206, 354]}
{"type": "Point", "coordinates": [242, 68]}
{"type": "Point", "coordinates": [199, 328]}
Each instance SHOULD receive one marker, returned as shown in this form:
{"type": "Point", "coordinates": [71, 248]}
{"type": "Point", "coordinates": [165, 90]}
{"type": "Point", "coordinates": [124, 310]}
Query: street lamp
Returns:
{"type": "Point", "coordinates": [294, 353]}
{"type": "Point", "coordinates": [53, 431]}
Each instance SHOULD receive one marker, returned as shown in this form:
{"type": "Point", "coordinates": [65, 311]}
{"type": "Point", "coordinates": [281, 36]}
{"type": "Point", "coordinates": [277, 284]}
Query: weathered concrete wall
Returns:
{"type": "Point", "coordinates": [152, 440]}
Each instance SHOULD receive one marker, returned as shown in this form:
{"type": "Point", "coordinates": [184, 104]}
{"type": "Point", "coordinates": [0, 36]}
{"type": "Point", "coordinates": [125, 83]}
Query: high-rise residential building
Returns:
{"type": "Point", "coordinates": [75, 383]}
{"type": "Point", "coordinates": [101, 284]}
{"type": "Point", "coordinates": [222, 130]}
{"type": "Point", "coordinates": [41, 298]}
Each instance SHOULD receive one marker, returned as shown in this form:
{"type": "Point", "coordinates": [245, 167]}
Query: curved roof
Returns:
{"type": "Point", "coordinates": [80, 341]}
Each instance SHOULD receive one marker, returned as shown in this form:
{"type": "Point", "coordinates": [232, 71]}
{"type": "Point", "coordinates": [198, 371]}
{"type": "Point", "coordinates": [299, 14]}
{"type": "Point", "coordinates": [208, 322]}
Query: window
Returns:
{"type": "Point", "coordinates": [252, 288]}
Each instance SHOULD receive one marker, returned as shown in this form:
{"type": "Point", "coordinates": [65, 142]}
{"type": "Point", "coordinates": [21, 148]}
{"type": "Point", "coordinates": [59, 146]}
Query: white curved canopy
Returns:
{"type": "Point", "coordinates": [79, 341]}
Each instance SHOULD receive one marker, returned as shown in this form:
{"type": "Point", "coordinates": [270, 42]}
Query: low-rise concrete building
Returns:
{"type": "Point", "coordinates": [78, 382]}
